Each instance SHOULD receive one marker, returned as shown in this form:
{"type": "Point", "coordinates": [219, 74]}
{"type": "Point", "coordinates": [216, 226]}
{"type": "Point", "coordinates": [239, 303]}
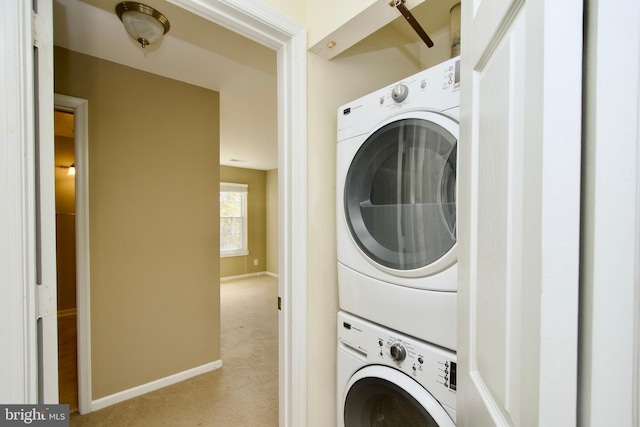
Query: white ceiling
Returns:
{"type": "Point", "coordinates": [194, 51]}
{"type": "Point", "coordinates": [202, 53]}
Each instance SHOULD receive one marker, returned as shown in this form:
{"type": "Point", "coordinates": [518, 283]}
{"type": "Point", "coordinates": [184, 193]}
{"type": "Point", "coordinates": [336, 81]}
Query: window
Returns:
{"type": "Point", "coordinates": [233, 219]}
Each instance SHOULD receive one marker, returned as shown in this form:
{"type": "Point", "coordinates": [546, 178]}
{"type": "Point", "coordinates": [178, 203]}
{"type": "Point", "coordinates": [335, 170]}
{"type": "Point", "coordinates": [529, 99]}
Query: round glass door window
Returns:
{"type": "Point", "coordinates": [400, 194]}
{"type": "Point", "coordinates": [376, 402]}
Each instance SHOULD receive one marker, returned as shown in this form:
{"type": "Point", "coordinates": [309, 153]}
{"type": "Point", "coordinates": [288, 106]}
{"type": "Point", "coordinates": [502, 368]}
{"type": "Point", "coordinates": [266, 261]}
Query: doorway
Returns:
{"type": "Point", "coordinates": [66, 258]}
{"type": "Point", "coordinates": [72, 232]}
{"type": "Point", "coordinates": [252, 19]}
{"type": "Point", "coordinates": [276, 31]}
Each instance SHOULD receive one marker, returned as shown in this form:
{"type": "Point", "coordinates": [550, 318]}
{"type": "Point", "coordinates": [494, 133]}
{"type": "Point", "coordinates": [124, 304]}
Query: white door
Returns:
{"type": "Point", "coordinates": [28, 372]}
{"type": "Point", "coordinates": [46, 279]}
{"type": "Point", "coordinates": [519, 212]}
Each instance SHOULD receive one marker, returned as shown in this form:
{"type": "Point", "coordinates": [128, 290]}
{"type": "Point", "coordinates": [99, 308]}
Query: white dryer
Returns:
{"type": "Point", "coordinates": [396, 204]}
{"type": "Point", "coordinates": [388, 379]}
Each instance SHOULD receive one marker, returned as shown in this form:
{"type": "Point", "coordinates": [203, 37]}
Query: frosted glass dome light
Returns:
{"type": "Point", "coordinates": [143, 23]}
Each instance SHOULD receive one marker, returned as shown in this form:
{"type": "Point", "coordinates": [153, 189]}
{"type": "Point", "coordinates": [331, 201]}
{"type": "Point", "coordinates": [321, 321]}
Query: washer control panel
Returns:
{"type": "Point", "coordinates": [431, 366]}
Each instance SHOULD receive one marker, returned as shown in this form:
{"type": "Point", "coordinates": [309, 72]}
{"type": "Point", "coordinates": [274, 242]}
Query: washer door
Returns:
{"type": "Point", "coordinates": [379, 396]}
{"type": "Point", "coordinates": [400, 195]}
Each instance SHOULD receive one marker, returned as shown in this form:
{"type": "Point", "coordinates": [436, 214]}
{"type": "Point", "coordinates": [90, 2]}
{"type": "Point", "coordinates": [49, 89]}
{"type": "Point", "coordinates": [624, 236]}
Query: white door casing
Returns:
{"type": "Point", "coordinates": [28, 272]}
{"type": "Point", "coordinates": [519, 212]}
{"type": "Point", "coordinates": [610, 274]}
{"type": "Point", "coordinates": [80, 109]}
{"type": "Point", "coordinates": [18, 360]}
{"type": "Point", "coordinates": [45, 209]}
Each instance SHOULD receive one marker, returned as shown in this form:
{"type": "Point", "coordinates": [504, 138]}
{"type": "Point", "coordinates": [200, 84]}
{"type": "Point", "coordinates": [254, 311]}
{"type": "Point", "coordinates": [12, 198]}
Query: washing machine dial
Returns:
{"type": "Point", "coordinates": [398, 352]}
{"type": "Point", "coordinates": [399, 92]}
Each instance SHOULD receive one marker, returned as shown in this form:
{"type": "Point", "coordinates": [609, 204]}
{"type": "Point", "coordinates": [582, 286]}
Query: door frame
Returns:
{"type": "Point", "coordinates": [80, 109]}
{"type": "Point", "coordinates": [610, 270]}
{"type": "Point", "coordinates": [19, 359]}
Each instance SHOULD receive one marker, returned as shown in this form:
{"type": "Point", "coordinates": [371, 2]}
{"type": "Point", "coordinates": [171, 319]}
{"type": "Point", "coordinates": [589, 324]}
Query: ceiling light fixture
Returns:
{"type": "Point", "coordinates": [142, 22]}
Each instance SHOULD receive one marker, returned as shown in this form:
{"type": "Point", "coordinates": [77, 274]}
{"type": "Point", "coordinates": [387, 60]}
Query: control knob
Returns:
{"type": "Point", "coordinates": [398, 352]}
{"type": "Point", "coordinates": [399, 92]}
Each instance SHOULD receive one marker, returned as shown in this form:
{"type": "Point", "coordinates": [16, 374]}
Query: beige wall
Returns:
{"type": "Point", "coordinates": [272, 221]}
{"type": "Point", "coordinates": [153, 181]}
{"type": "Point", "coordinates": [440, 51]}
{"type": "Point", "coordinates": [256, 222]}
{"type": "Point", "coordinates": [324, 17]}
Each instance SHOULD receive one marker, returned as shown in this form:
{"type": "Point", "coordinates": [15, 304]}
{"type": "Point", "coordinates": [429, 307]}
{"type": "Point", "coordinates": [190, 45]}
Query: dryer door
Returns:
{"type": "Point", "coordinates": [400, 195]}
{"type": "Point", "coordinates": [379, 396]}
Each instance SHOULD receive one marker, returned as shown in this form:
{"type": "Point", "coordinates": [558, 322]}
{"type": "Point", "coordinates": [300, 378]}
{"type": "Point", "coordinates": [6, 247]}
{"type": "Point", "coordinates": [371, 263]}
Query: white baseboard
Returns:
{"type": "Point", "coordinates": [243, 276]}
{"type": "Point", "coordinates": [121, 396]}
{"type": "Point", "coordinates": [268, 273]}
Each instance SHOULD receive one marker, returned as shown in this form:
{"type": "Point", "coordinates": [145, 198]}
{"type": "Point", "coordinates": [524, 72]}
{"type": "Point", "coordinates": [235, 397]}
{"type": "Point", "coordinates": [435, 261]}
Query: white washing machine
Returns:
{"type": "Point", "coordinates": [396, 204]}
{"type": "Point", "coordinates": [389, 379]}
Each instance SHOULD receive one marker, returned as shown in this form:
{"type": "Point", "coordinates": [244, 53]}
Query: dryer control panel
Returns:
{"type": "Point", "coordinates": [431, 366]}
{"type": "Point", "coordinates": [434, 89]}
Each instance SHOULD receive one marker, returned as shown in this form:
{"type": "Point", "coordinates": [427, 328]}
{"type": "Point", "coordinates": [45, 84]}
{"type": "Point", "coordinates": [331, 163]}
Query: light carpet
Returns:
{"type": "Point", "coordinates": [244, 392]}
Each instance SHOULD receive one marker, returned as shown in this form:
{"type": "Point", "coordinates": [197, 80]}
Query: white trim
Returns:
{"type": "Point", "coordinates": [635, 382]}
{"type": "Point", "coordinates": [610, 216]}
{"type": "Point", "coordinates": [80, 109]}
{"type": "Point", "coordinates": [268, 273]}
{"type": "Point", "coordinates": [257, 21]}
{"type": "Point", "coordinates": [243, 276]}
{"type": "Point", "coordinates": [234, 253]}
{"type": "Point", "coordinates": [233, 187]}
{"type": "Point", "coordinates": [46, 276]}
{"type": "Point", "coordinates": [19, 357]}
{"type": "Point", "coordinates": [121, 396]}
{"type": "Point", "coordinates": [292, 186]}
{"type": "Point", "coordinates": [635, 403]}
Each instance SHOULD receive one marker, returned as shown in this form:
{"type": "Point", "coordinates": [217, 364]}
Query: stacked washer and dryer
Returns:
{"type": "Point", "coordinates": [396, 235]}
